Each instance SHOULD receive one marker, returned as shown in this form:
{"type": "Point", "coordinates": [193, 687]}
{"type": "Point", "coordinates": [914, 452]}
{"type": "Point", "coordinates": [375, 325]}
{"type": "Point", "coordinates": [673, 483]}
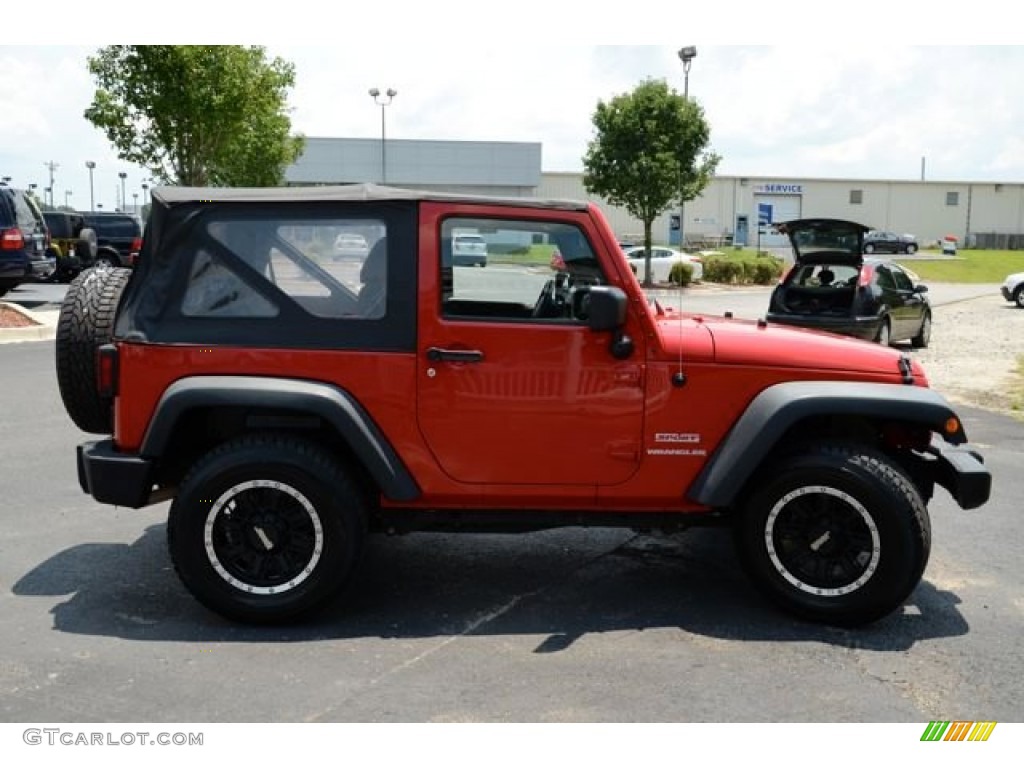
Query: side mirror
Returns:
{"type": "Point", "coordinates": [607, 308]}
{"type": "Point", "coordinates": [920, 288]}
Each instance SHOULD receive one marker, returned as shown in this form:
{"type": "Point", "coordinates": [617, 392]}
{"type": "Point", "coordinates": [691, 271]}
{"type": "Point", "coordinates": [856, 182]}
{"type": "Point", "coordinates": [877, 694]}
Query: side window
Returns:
{"type": "Point", "coordinates": [902, 280]}
{"type": "Point", "coordinates": [214, 290]}
{"type": "Point", "coordinates": [537, 271]}
{"type": "Point", "coordinates": [885, 278]}
{"type": "Point", "coordinates": [331, 268]}
{"type": "Point", "coordinates": [29, 219]}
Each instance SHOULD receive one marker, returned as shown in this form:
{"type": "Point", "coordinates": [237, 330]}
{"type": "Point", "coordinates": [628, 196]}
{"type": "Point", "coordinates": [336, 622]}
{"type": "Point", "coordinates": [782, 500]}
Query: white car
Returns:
{"type": "Point", "coordinates": [350, 245]}
{"type": "Point", "coordinates": [1013, 289]}
{"type": "Point", "coordinates": [662, 261]}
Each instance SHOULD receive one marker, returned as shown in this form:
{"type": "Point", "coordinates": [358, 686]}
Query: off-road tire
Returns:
{"type": "Point", "coordinates": [267, 529]}
{"type": "Point", "coordinates": [924, 335]}
{"type": "Point", "coordinates": [86, 322]}
{"type": "Point", "coordinates": [836, 534]}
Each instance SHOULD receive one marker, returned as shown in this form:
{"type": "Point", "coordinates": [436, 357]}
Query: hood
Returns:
{"type": "Point", "coordinates": [821, 241]}
{"type": "Point", "coordinates": [756, 344]}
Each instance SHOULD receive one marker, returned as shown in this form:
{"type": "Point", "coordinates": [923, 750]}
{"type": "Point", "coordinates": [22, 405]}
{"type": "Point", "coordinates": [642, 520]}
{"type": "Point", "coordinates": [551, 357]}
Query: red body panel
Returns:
{"type": "Point", "coordinates": [548, 419]}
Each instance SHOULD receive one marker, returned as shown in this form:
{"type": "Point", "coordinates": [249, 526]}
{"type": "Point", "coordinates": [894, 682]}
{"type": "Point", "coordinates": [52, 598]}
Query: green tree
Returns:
{"type": "Point", "coordinates": [196, 115]}
{"type": "Point", "coordinates": [650, 153]}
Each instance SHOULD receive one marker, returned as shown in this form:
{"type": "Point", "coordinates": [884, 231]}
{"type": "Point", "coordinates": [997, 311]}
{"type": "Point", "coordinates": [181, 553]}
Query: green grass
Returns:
{"type": "Point", "coordinates": [537, 254]}
{"type": "Point", "coordinates": [969, 267]}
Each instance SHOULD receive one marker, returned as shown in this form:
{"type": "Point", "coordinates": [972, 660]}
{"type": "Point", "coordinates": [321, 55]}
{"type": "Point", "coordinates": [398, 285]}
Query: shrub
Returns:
{"type": "Point", "coordinates": [762, 269]}
{"type": "Point", "coordinates": [681, 274]}
{"type": "Point", "coordinates": [720, 269]}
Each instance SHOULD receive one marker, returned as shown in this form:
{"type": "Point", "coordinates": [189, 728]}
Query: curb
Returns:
{"type": "Point", "coordinates": [45, 327]}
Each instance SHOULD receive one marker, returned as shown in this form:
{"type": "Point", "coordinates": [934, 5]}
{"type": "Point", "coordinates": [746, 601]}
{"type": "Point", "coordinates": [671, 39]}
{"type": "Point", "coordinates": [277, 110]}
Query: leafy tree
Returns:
{"type": "Point", "coordinates": [649, 154]}
{"type": "Point", "coordinates": [196, 115]}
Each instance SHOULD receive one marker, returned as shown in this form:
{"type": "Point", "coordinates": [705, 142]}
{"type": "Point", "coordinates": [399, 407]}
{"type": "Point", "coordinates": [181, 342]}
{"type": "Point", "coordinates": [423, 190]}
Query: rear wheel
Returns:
{"type": "Point", "coordinates": [838, 534]}
{"type": "Point", "coordinates": [266, 529]}
{"type": "Point", "coordinates": [85, 323]}
{"type": "Point", "coordinates": [869, 248]}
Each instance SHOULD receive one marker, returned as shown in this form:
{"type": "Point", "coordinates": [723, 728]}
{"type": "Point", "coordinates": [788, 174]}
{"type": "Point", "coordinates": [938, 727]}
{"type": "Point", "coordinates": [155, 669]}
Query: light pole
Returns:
{"type": "Point", "coordinates": [92, 200]}
{"type": "Point", "coordinates": [135, 207]}
{"type": "Point", "coordinates": [67, 198]}
{"type": "Point", "coordinates": [686, 55]}
{"type": "Point", "coordinates": [124, 203]}
{"type": "Point", "coordinates": [379, 100]}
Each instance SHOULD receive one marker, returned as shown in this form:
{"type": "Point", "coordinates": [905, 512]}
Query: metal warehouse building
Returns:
{"type": "Point", "coordinates": [985, 214]}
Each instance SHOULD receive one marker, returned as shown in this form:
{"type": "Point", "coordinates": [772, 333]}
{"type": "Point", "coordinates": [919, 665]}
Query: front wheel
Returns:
{"type": "Point", "coordinates": [884, 336]}
{"type": "Point", "coordinates": [266, 529]}
{"type": "Point", "coordinates": [924, 335]}
{"type": "Point", "coordinates": [1018, 296]}
{"type": "Point", "coordinates": [838, 534]}
{"type": "Point", "coordinates": [869, 248]}
{"type": "Point", "coordinates": [911, 249]}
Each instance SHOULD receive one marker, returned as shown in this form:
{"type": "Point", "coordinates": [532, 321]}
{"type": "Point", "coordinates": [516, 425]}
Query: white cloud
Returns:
{"type": "Point", "coordinates": [834, 108]}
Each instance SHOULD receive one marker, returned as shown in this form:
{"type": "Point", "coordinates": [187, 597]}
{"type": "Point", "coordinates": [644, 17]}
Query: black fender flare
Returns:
{"type": "Point", "coordinates": [334, 405]}
{"type": "Point", "coordinates": [773, 411]}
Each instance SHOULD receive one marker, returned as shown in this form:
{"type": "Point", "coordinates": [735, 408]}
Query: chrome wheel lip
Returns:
{"type": "Point", "coordinates": [829, 592]}
{"type": "Point", "coordinates": [219, 507]}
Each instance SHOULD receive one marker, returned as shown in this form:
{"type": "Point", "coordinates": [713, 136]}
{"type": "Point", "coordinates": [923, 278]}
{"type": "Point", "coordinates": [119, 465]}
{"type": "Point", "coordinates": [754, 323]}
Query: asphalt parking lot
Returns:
{"type": "Point", "coordinates": [562, 626]}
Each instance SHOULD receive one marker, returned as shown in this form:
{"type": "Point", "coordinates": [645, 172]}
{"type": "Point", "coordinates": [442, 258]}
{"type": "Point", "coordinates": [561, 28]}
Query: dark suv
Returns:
{"type": "Point", "coordinates": [23, 237]}
{"type": "Point", "coordinates": [118, 237]}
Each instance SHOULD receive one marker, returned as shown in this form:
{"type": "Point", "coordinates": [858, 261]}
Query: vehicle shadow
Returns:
{"type": "Point", "coordinates": [558, 585]}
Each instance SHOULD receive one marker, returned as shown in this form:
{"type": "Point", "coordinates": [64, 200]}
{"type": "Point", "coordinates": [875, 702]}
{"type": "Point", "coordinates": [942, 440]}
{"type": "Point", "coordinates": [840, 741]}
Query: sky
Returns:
{"type": "Point", "coordinates": [789, 91]}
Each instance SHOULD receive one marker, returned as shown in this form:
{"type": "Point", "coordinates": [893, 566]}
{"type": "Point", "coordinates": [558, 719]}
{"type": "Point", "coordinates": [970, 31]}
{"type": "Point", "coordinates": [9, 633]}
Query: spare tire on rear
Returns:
{"type": "Point", "coordinates": [86, 323]}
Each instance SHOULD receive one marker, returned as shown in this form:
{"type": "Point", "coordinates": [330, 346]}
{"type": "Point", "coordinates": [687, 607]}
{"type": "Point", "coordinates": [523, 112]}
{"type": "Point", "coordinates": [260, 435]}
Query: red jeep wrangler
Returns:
{"type": "Point", "coordinates": [290, 402]}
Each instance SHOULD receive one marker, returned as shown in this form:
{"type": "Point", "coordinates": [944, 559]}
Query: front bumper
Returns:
{"type": "Point", "coordinates": [1006, 293]}
{"type": "Point", "coordinates": [111, 477]}
{"type": "Point", "coordinates": [961, 471]}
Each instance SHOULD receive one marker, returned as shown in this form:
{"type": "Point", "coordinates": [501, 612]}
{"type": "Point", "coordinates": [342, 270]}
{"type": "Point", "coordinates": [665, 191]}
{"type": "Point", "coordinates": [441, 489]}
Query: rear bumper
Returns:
{"type": "Point", "coordinates": [961, 471]}
{"type": "Point", "coordinates": [111, 477]}
{"type": "Point", "coordinates": [865, 328]}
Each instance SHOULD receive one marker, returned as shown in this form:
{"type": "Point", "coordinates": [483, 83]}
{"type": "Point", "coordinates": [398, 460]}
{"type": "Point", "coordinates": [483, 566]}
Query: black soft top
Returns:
{"type": "Point", "coordinates": [173, 196]}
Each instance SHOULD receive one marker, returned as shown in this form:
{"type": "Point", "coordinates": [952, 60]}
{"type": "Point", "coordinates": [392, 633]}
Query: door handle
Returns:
{"type": "Point", "coordinates": [438, 355]}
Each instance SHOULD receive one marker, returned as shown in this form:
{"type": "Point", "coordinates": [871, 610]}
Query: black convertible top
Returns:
{"type": "Point", "coordinates": [174, 196]}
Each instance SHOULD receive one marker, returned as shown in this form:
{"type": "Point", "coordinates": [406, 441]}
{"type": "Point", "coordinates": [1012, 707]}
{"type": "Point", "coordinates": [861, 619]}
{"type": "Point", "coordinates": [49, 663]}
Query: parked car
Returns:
{"type": "Point", "coordinates": [877, 241]}
{"type": "Point", "coordinates": [351, 245]}
{"type": "Point", "coordinates": [23, 240]}
{"type": "Point", "coordinates": [662, 261]}
{"type": "Point", "coordinates": [1013, 289]}
{"type": "Point", "coordinates": [469, 250]}
{"type": "Point", "coordinates": [72, 244]}
{"type": "Point", "coordinates": [833, 287]}
{"type": "Point", "coordinates": [236, 375]}
{"type": "Point", "coordinates": [118, 237]}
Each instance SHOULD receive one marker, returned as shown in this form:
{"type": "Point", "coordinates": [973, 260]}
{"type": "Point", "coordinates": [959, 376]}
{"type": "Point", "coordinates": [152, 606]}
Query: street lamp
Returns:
{"type": "Point", "coordinates": [124, 203]}
{"type": "Point", "coordinates": [686, 55]}
{"type": "Point", "coordinates": [91, 165]}
{"type": "Point", "coordinates": [380, 101]}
